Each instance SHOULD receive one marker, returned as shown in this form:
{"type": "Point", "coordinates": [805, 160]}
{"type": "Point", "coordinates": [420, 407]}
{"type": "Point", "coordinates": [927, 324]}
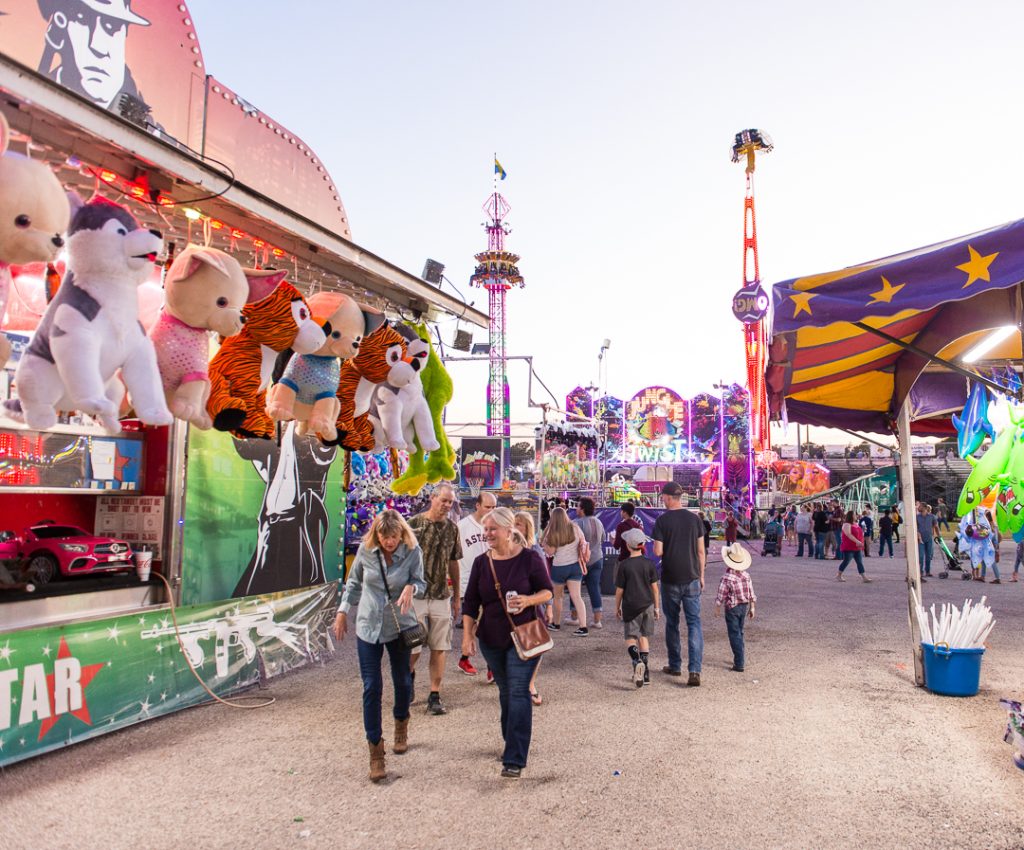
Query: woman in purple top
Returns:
{"type": "Point", "coordinates": [521, 570]}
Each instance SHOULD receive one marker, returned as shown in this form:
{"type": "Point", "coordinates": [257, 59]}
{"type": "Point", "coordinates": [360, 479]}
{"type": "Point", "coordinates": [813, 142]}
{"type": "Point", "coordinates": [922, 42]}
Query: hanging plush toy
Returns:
{"type": "Point", "coordinates": [973, 424]}
{"type": "Point", "coordinates": [307, 389]}
{"type": "Point", "coordinates": [439, 464]}
{"type": "Point", "coordinates": [91, 328]}
{"type": "Point", "coordinates": [34, 214]}
{"type": "Point", "coordinates": [398, 411]}
{"type": "Point", "coordinates": [276, 317]}
{"type": "Point", "coordinates": [206, 290]}
{"type": "Point", "coordinates": [360, 376]}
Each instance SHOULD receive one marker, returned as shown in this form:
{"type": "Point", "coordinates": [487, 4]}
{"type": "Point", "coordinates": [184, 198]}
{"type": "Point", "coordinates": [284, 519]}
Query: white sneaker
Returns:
{"type": "Point", "coordinates": [638, 673]}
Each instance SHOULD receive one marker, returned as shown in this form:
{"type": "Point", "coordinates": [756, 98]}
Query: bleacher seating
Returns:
{"type": "Point", "coordinates": [933, 476]}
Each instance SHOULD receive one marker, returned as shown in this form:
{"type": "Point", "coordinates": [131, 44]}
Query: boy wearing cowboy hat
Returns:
{"type": "Point", "coordinates": [636, 603]}
{"type": "Point", "coordinates": [736, 594]}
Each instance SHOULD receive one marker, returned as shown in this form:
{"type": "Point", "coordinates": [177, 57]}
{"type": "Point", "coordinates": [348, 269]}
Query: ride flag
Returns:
{"type": "Point", "coordinates": [498, 169]}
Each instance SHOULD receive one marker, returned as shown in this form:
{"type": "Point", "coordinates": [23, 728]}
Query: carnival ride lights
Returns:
{"type": "Point", "coordinates": [497, 272]}
{"type": "Point", "coordinates": [748, 143]}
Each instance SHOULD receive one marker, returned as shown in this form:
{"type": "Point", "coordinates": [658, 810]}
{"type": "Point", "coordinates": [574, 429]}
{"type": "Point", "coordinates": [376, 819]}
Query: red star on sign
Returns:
{"type": "Point", "coordinates": [81, 713]}
{"type": "Point", "coordinates": [120, 462]}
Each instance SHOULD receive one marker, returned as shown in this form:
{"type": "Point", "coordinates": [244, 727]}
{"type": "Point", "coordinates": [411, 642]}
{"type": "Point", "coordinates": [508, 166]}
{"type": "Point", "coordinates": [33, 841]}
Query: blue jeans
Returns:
{"type": "Point", "coordinates": [686, 597]}
{"type": "Point", "coordinates": [883, 541]}
{"type": "Point", "coordinates": [925, 550]}
{"type": "Point", "coordinates": [819, 545]}
{"type": "Point", "coordinates": [370, 656]}
{"type": "Point", "coordinates": [856, 556]}
{"type": "Point", "coordinates": [592, 580]}
{"type": "Point", "coordinates": [838, 535]}
{"type": "Point", "coordinates": [734, 619]}
{"type": "Point", "coordinates": [801, 538]}
{"type": "Point", "coordinates": [512, 676]}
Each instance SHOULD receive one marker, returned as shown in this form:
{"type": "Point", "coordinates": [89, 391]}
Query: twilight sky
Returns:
{"type": "Point", "coordinates": [896, 125]}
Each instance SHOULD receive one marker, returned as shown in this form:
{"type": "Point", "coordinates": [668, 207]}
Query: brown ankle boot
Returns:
{"type": "Point", "coordinates": [401, 736]}
{"type": "Point", "coordinates": [377, 769]}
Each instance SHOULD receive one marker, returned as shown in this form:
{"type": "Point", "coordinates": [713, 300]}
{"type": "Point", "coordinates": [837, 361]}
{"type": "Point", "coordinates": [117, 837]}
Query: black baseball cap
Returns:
{"type": "Point", "coordinates": [671, 488]}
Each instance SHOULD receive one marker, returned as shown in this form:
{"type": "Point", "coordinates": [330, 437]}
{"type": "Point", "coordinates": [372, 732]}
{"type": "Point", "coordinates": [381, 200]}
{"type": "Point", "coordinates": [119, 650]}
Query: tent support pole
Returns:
{"type": "Point", "coordinates": [910, 516]}
{"type": "Point", "coordinates": [934, 358]}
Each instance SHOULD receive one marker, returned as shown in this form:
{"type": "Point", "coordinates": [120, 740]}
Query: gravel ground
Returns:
{"type": "Point", "coordinates": [823, 742]}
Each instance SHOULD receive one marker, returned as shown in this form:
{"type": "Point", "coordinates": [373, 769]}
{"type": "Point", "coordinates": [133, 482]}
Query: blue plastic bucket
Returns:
{"type": "Point", "coordinates": [952, 672]}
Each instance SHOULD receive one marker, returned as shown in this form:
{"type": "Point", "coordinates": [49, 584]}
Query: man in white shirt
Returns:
{"type": "Point", "coordinates": [471, 534]}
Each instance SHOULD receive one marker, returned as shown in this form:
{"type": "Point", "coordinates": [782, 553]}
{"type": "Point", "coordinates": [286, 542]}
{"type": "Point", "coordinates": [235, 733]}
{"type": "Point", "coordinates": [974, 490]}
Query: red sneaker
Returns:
{"type": "Point", "coordinates": [490, 678]}
{"type": "Point", "coordinates": [466, 666]}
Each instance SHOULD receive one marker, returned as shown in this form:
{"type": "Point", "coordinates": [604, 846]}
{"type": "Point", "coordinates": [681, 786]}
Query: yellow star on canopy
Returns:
{"type": "Point", "coordinates": [802, 301]}
{"type": "Point", "coordinates": [977, 267]}
{"type": "Point", "coordinates": [886, 293]}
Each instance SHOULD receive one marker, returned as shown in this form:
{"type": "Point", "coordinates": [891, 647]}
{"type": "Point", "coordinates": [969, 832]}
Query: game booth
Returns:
{"type": "Point", "coordinates": [184, 336]}
{"type": "Point", "coordinates": [920, 343]}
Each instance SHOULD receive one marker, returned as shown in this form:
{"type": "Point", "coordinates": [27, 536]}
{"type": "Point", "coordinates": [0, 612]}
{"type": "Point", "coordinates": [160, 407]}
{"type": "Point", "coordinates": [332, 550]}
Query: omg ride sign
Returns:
{"type": "Point", "coordinates": [750, 304]}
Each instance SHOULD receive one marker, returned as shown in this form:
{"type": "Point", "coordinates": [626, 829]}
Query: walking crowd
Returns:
{"type": "Point", "coordinates": [414, 582]}
{"type": "Point", "coordinates": [824, 530]}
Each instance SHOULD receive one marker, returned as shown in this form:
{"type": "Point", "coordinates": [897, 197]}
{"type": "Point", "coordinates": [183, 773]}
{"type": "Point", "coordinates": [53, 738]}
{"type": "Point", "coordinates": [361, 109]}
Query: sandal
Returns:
{"type": "Point", "coordinates": [536, 698]}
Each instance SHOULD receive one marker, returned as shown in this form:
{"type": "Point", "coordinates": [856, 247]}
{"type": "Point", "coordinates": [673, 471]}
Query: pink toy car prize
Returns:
{"type": "Point", "coordinates": [51, 549]}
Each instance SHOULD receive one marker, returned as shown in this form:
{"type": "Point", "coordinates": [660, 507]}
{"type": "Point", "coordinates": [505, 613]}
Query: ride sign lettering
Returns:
{"type": "Point", "coordinates": [750, 304]}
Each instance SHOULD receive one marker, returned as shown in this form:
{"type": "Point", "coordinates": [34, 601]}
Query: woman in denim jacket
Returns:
{"type": "Point", "coordinates": [390, 546]}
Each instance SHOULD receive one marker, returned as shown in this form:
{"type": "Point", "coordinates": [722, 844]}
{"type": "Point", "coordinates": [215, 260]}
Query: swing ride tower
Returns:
{"type": "Point", "coordinates": [497, 272]}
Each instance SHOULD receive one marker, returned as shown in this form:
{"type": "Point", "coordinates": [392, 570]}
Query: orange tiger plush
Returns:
{"type": "Point", "coordinates": [359, 377]}
{"type": "Point", "coordinates": [276, 317]}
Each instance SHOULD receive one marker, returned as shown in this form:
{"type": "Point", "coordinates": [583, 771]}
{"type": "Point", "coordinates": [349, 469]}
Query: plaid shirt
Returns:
{"type": "Point", "coordinates": [735, 589]}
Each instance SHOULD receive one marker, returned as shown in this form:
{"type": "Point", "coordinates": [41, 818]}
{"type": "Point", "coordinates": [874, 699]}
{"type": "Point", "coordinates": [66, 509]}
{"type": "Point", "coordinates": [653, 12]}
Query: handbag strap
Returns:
{"type": "Point", "coordinates": [387, 590]}
{"type": "Point", "coordinates": [501, 596]}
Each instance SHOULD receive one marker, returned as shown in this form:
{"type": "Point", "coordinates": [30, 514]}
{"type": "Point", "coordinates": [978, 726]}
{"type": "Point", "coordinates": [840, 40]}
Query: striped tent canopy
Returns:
{"type": "Point", "coordinates": [824, 370]}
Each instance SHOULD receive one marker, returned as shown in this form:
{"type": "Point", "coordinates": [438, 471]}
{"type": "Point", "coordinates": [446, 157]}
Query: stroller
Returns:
{"type": "Point", "coordinates": [952, 561]}
{"type": "Point", "coordinates": [772, 539]}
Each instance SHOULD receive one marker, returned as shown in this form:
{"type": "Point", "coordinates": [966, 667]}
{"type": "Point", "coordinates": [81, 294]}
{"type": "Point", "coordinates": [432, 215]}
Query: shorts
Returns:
{"type": "Point", "coordinates": [435, 615]}
{"type": "Point", "coordinates": [567, 572]}
{"type": "Point", "coordinates": [642, 625]}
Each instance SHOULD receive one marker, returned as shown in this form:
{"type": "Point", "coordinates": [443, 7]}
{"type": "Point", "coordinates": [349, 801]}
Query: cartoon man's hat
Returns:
{"type": "Point", "coordinates": [119, 10]}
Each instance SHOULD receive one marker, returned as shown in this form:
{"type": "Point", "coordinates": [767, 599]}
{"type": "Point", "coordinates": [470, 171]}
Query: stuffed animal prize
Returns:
{"type": "Point", "coordinates": [34, 214]}
{"type": "Point", "coordinates": [206, 290]}
{"type": "Point", "coordinates": [307, 391]}
{"type": "Point", "coordinates": [276, 317]}
{"type": "Point", "coordinates": [91, 331]}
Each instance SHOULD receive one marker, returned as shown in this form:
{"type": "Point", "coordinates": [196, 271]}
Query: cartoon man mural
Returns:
{"type": "Point", "coordinates": [293, 519]}
{"type": "Point", "coordinates": [88, 37]}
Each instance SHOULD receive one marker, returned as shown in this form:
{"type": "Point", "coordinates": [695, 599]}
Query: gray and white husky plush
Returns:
{"type": "Point", "coordinates": [91, 328]}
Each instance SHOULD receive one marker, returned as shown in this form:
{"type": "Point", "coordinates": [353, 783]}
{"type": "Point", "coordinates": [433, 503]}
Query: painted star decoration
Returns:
{"type": "Point", "coordinates": [802, 300]}
{"type": "Point", "coordinates": [886, 293]}
{"type": "Point", "coordinates": [976, 267]}
{"type": "Point", "coordinates": [88, 672]}
{"type": "Point", "coordinates": [6, 652]}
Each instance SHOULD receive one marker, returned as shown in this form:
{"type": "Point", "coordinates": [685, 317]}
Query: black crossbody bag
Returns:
{"type": "Point", "coordinates": [413, 636]}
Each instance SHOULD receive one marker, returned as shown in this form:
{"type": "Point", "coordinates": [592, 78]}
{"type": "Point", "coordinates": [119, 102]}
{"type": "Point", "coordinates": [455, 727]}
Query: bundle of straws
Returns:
{"type": "Point", "coordinates": [966, 629]}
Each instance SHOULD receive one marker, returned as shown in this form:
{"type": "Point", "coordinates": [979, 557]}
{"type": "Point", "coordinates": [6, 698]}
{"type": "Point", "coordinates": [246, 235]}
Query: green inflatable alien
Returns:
{"type": "Point", "coordinates": [426, 469]}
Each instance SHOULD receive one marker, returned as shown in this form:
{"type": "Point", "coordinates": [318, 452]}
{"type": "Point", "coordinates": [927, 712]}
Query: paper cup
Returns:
{"type": "Point", "coordinates": [143, 564]}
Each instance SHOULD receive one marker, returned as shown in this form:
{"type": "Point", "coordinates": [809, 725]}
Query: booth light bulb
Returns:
{"type": "Point", "coordinates": [191, 214]}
